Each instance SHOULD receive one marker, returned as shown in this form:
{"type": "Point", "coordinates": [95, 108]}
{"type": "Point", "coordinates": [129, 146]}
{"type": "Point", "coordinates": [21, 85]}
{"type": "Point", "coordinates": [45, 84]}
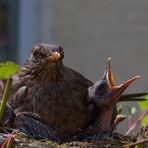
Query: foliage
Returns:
{"type": "Point", "coordinates": [143, 105]}
{"type": "Point", "coordinates": [7, 70]}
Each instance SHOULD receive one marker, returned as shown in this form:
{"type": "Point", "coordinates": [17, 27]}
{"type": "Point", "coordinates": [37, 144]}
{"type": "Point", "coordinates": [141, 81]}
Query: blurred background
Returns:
{"type": "Point", "coordinates": [90, 31]}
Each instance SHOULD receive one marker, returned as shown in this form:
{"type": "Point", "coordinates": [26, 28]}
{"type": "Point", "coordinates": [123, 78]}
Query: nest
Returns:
{"type": "Point", "coordinates": [17, 139]}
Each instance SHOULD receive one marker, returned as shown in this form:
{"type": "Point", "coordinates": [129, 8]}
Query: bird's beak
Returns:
{"type": "Point", "coordinates": [115, 90]}
{"type": "Point", "coordinates": [54, 57]}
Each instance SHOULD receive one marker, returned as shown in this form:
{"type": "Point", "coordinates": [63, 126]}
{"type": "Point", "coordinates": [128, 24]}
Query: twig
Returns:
{"type": "Point", "coordinates": [8, 141]}
{"type": "Point", "coordinates": [119, 119]}
{"type": "Point", "coordinates": [137, 143]}
{"type": "Point", "coordinates": [141, 116]}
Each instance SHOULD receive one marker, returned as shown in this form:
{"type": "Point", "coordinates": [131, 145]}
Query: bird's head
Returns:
{"type": "Point", "coordinates": [45, 61]}
{"type": "Point", "coordinates": [47, 54]}
{"type": "Point", "coordinates": [105, 92]}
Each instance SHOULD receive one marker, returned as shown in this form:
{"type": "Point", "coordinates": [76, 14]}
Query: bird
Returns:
{"type": "Point", "coordinates": [45, 87]}
{"type": "Point", "coordinates": [52, 101]}
{"type": "Point", "coordinates": [104, 94]}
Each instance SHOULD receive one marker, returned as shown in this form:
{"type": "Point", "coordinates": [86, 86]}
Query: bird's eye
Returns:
{"type": "Point", "coordinates": [101, 88]}
{"type": "Point", "coordinates": [35, 53]}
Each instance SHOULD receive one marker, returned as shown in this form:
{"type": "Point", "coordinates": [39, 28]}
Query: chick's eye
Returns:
{"type": "Point", "coordinates": [101, 89]}
{"type": "Point", "coordinates": [101, 86]}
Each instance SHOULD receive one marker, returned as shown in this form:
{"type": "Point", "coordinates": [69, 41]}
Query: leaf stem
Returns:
{"type": "Point", "coordinates": [4, 98]}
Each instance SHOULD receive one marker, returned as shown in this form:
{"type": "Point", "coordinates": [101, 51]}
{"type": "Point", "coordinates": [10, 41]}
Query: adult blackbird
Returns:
{"type": "Point", "coordinates": [50, 100]}
{"type": "Point", "coordinates": [46, 87]}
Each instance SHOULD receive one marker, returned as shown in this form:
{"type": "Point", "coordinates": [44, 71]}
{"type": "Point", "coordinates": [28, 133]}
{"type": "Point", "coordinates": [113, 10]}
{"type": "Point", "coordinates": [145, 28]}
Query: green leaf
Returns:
{"type": "Point", "coordinates": [8, 69]}
{"type": "Point", "coordinates": [143, 105]}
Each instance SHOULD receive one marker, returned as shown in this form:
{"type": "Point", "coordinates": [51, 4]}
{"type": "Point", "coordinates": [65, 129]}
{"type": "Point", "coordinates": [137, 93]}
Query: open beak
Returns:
{"type": "Point", "coordinates": [54, 57]}
{"type": "Point", "coordinates": [116, 90]}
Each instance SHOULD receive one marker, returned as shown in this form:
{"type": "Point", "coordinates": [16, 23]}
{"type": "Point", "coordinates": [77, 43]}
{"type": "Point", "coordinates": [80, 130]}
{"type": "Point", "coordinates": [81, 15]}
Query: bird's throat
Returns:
{"type": "Point", "coordinates": [106, 119]}
{"type": "Point", "coordinates": [46, 72]}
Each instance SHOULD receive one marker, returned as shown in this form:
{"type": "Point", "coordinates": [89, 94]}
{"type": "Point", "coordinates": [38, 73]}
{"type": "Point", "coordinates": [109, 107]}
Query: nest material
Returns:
{"type": "Point", "coordinates": [116, 140]}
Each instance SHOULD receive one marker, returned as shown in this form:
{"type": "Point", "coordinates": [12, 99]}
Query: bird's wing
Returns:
{"type": "Point", "coordinates": [18, 96]}
{"type": "Point", "coordinates": [79, 77]}
{"type": "Point", "coordinates": [133, 97]}
{"type": "Point", "coordinates": [35, 129]}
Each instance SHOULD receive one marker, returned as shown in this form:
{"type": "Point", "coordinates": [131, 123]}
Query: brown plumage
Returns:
{"type": "Point", "coordinates": [46, 87]}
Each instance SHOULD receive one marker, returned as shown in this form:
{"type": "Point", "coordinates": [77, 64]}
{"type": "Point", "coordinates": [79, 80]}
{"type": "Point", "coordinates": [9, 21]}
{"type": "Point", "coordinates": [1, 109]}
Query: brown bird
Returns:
{"type": "Point", "coordinates": [50, 100]}
{"type": "Point", "coordinates": [46, 87]}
